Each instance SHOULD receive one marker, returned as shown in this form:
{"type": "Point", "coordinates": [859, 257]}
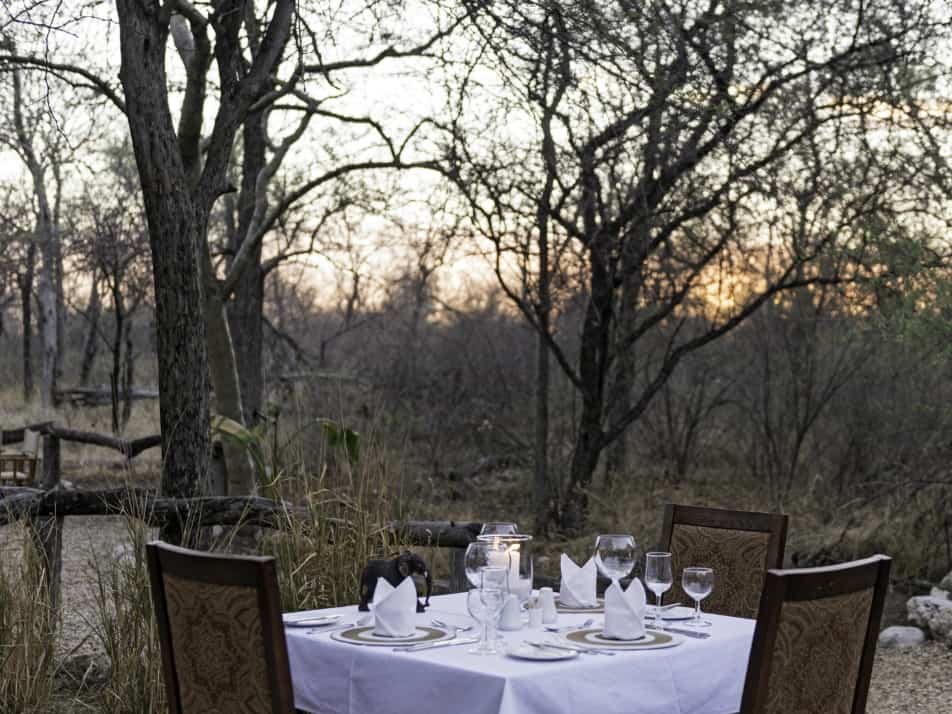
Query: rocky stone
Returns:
{"type": "Point", "coordinates": [901, 637]}
{"type": "Point", "coordinates": [946, 582]}
{"type": "Point", "coordinates": [82, 672]}
{"type": "Point", "coordinates": [940, 593]}
{"type": "Point", "coordinates": [933, 614]}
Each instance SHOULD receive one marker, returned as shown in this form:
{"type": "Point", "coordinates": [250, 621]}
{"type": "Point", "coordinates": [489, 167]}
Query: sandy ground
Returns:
{"type": "Point", "coordinates": [912, 681]}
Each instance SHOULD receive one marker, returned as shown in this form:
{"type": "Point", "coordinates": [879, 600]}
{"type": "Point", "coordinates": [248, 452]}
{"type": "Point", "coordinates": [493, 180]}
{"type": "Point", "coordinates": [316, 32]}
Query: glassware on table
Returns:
{"type": "Point", "coordinates": [658, 579]}
{"type": "Point", "coordinates": [498, 528]}
{"type": "Point", "coordinates": [698, 583]}
{"type": "Point", "coordinates": [480, 554]}
{"type": "Point", "coordinates": [615, 555]}
{"type": "Point", "coordinates": [485, 604]}
{"type": "Point", "coordinates": [513, 552]}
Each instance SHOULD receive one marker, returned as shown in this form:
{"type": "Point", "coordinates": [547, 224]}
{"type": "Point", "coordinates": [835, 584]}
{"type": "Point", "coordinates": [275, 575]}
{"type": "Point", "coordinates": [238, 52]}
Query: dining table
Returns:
{"type": "Point", "coordinates": [698, 676]}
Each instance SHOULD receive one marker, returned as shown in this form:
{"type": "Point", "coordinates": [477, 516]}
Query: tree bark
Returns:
{"type": "Point", "coordinates": [25, 282]}
{"type": "Point", "coordinates": [91, 342]}
{"type": "Point", "coordinates": [246, 310]}
{"type": "Point", "coordinates": [177, 226]}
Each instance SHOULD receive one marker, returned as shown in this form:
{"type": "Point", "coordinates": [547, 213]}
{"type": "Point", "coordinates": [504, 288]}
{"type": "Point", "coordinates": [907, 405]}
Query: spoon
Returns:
{"type": "Point", "coordinates": [588, 623]}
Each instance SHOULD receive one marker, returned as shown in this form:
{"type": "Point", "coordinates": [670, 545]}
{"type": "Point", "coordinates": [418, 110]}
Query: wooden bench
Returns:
{"type": "Point", "coordinates": [18, 466]}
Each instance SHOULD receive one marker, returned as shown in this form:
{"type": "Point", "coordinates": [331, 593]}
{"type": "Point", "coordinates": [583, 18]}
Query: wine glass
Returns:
{"type": "Point", "coordinates": [480, 554]}
{"type": "Point", "coordinates": [658, 579]}
{"type": "Point", "coordinates": [615, 555]}
{"type": "Point", "coordinates": [698, 583]}
{"type": "Point", "coordinates": [485, 605]}
{"type": "Point", "coordinates": [498, 528]}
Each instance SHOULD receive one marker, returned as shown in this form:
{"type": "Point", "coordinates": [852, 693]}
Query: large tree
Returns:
{"type": "Point", "coordinates": [661, 155]}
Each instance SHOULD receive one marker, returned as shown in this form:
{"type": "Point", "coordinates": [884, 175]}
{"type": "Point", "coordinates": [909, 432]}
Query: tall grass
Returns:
{"type": "Point", "coordinates": [27, 631]}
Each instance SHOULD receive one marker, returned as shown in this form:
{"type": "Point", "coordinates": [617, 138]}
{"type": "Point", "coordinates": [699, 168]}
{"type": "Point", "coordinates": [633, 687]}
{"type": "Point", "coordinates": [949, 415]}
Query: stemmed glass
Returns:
{"type": "Point", "coordinates": [615, 555]}
{"type": "Point", "coordinates": [658, 579]}
{"type": "Point", "coordinates": [485, 604]}
{"type": "Point", "coordinates": [478, 555]}
{"type": "Point", "coordinates": [498, 529]}
{"type": "Point", "coordinates": [698, 583]}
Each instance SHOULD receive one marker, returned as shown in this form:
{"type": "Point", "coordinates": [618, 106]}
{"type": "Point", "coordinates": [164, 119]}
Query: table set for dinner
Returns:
{"type": "Point", "coordinates": [506, 648]}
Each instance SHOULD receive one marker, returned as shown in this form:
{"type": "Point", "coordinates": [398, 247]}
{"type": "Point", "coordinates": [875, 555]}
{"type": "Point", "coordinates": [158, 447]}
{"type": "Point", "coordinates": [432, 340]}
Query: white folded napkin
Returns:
{"type": "Point", "coordinates": [578, 584]}
{"type": "Point", "coordinates": [394, 608]}
{"type": "Point", "coordinates": [625, 611]}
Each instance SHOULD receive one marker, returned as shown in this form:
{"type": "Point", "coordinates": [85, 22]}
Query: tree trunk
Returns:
{"type": "Point", "coordinates": [177, 227]}
{"type": "Point", "coordinates": [91, 342]}
{"type": "Point", "coordinates": [224, 376]}
{"type": "Point", "coordinates": [25, 282]}
{"type": "Point", "coordinates": [246, 310]}
{"type": "Point", "coordinates": [49, 317]}
{"type": "Point", "coordinates": [128, 375]}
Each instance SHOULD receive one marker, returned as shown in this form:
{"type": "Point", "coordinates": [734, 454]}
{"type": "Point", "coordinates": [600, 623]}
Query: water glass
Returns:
{"type": "Point", "coordinates": [485, 604]}
{"type": "Point", "coordinates": [658, 579]}
{"type": "Point", "coordinates": [698, 583]}
{"type": "Point", "coordinates": [479, 554]}
{"type": "Point", "coordinates": [615, 555]}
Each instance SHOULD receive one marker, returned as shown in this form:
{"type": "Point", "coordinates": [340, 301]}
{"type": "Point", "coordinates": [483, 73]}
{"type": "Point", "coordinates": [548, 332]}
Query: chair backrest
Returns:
{"type": "Point", "coordinates": [739, 545]}
{"type": "Point", "coordinates": [221, 633]}
{"type": "Point", "coordinates": [815, 639]}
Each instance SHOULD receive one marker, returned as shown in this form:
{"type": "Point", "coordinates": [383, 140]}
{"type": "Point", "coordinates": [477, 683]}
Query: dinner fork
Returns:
{"type": "Point", "coordinates": [588, 623]}
{"type": "Point", "coordinates": [458, 628]}
{"type": "Point", "coordinates": [360, 622]}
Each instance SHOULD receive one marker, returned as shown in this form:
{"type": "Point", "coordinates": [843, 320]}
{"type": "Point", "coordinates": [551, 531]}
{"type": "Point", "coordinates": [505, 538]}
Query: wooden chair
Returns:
{"type": "Point", "coordinates": [815, 639]}
{"type": "Point", "coordinates": [221, 633]}
{"type": "Point", "coordinates": [739, 545]}
{"type": "Point", "coordinates": [18, 466]}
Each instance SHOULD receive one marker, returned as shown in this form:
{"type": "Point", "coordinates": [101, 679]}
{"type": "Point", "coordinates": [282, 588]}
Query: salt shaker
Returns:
{"type": "Point", "coordinates": [549, 615]}
{"type": "Point", "coordinates": [535, 612]}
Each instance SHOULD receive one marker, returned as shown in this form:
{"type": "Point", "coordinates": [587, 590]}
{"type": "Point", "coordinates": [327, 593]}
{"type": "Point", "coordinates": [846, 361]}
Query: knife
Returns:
{"type": "Point", "coordinates": [433, 645]}
{"type": "Point", "coordinates": [569, 648]}
{"type": "Point", "coordinates": [688, 633]}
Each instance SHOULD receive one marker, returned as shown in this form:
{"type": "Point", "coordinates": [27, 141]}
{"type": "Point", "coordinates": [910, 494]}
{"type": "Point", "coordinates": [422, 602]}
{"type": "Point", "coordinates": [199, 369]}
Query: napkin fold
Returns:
{"type": "Point", "coordinates": [578, 584]}
{"type": "Point", "coordinates": [625, 611]}
{"type": "Point", "coordinates": [394, 608]}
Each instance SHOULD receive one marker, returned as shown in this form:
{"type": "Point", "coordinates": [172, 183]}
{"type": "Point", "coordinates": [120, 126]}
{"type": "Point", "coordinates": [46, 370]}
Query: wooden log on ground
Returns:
{"type": "Point", "coordinates": [130, 448]}
{"type": "Point", "coordinates": [441, 534]}
{"type": "Point", "coordinates": [147, 505]}
{"type": "Point", "coordinates": [101, 396]}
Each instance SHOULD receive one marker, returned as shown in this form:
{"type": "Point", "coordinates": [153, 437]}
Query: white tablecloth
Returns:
{"type": "Point", "coordinates": [697, 677]}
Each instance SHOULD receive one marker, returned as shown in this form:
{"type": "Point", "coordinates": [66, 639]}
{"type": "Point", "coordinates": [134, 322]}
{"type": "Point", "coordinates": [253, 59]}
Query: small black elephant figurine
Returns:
{"type": "Point", "coordinates": [393, 570]}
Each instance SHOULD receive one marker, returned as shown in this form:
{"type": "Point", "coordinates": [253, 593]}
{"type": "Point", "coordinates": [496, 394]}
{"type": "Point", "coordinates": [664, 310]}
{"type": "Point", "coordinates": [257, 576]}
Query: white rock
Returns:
{"type": "Point", "coordinates": [933, 614]}
{"type": "Point", "coordinates": [946, 582]}
{"type": "Point", "coordinates": [940, 593]}
{"type": "Point", "coordinates": [901, 637]}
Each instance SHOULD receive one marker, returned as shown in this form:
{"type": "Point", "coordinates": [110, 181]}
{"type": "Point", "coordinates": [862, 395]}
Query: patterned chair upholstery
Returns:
{"type": "Point", "coordinates": [740, 546]}
{"type": "Point", "coordinates": [815, 639]}
{"type": "Point", "coordinates": [223, 646]}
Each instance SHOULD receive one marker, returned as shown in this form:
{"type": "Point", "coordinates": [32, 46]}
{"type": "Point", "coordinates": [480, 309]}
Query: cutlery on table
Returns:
{"type": "Point", "coordinates": [434, 645]}
{"type": "Point", "coordinates": [569, 648]}
{"type": "Point", "coordinates": [671, 606]}
{"type": "Point", "coordinates": [588, 623]}
{"type": "Point", "coordinates": [458, 628]}
{"type": "Point", "coordinates": [689, 633]}
{"type": "Point", "coordinates": [360, 622]}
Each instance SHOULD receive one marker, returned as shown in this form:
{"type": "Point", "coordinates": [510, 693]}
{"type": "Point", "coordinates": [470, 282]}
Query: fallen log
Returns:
{"type": "Point", "coordinates": [146, 504]}
{"type": "Point", "coordinates": [130, 448]}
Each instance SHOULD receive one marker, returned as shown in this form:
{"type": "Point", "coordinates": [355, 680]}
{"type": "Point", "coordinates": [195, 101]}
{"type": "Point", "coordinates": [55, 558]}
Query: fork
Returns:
{"type": "Point", "coordinates": [457, 628]}
{"type": "Point", "coordinates": [588, 623]}
{"type": "Point", "coordinates": [360, 622]}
